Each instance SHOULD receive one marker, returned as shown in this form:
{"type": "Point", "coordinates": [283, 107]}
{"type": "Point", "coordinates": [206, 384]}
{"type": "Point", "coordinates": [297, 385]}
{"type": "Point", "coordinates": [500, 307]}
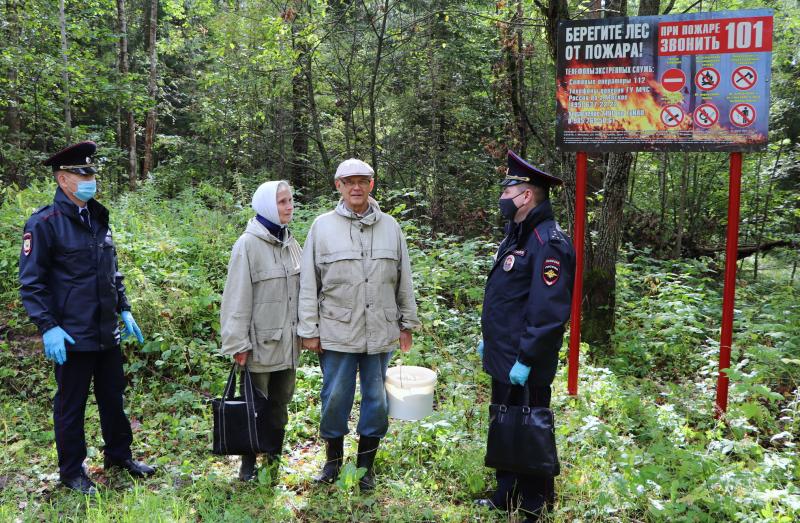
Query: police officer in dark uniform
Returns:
{"type": "Point", "coordinates": [73, 292]}
{"type": "Point", "coordinates": [525, 306]}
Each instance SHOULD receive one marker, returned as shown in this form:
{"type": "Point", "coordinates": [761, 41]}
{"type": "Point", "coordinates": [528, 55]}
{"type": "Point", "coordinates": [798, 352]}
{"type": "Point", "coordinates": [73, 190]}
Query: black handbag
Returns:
{"type": "Point", "coordinates": [522, 439]}
{"type": "Point", "coordinates": [240, 423]}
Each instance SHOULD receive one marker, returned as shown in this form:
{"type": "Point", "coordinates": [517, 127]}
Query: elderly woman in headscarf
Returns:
{"type": "Point", "coordinates": [258, 319]}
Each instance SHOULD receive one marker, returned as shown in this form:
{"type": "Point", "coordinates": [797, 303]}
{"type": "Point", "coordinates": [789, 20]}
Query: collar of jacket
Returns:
{"type": "Point", "coordinates": [259, 231]}
{"type": "Point", "coordinates": [370, 219]}
{"type": "Point", "coordinates": [96, 211]}
{"type": "Point", "coordinates": [540, 213]}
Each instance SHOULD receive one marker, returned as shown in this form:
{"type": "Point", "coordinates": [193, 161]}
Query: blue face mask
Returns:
{"type": "Point", "coordinates": [86, 190]}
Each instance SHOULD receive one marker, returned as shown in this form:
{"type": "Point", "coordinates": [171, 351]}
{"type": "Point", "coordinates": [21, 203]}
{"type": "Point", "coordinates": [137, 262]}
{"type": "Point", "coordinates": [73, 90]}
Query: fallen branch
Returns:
{"type": "Point", "coordinates": [745, 250]}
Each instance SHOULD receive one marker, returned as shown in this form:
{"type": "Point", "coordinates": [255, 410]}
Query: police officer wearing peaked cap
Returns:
{"type": "Point", "coordinates": [525, 306]}
{"type": "Point", "coordinates": [73, 292]}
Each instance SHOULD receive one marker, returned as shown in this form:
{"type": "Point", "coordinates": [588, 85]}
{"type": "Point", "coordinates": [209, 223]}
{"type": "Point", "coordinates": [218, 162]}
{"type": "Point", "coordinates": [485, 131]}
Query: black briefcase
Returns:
{"type": "Point", "coordinates": [240, 423]}
{"type": "Point", "coordinates": [522, 439]}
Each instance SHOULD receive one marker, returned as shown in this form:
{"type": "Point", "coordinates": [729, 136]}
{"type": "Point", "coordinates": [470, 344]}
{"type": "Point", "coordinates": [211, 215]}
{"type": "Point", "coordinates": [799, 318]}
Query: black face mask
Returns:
{"type": "Point", "coordinates": [508, 207]}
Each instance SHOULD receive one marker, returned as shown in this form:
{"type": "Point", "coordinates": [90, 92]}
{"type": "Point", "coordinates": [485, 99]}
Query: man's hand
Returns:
{"type": "Point", "coordinates": [241, 357]}
{"type": "Point", "coordinates": [54, 347]}
{"type": "Point", "coordinates": [519, 374]}
{"type": "Point", "coordinates": [406, 340]}
{"type": "Point", "coordinates": [131, 327]}
{"type": "Point", "coordinates": [312, 344]}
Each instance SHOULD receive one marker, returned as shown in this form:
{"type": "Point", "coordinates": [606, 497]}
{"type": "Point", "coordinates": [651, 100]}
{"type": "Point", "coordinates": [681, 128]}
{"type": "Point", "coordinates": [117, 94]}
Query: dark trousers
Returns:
{"type": "Point", "coordinates": [278, 387]}
{"type": "Point", "coordinates": [531, 493]}
{"type": "Point", "coordinates": [69, 408]}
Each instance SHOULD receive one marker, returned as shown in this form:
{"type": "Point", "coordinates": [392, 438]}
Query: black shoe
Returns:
{"type": "Point", "coordinates": [367, 448]}
{"type": "Point", "coordinates": [247, 470]}
{"type": "Point", "coordinates": [334, 453]}
{"type": "Point", "coordinates": [135, 468]}
{"type": "Point", "coordinates": [80, 483]}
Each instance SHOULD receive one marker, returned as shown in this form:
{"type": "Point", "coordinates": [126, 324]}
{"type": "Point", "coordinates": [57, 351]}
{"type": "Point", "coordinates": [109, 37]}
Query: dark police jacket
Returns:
{"type": "Point", "coordinates": [68, 274]}
{"type": "Point", "coordinates": [527, 298]}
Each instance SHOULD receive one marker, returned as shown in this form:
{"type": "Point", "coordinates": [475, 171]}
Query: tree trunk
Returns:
{"type": "Point", "coordinates": [765, 213]}
{"type": "Point", "coordinates": [600, 281]}
{"type": "Point", "coordinates": [127, 114]}
{"type": "Point", "coordinates": [299, 161]}
{"type": "Point", "coordinates": [511, 40]}
{"type": "Point", "coordinates": [12, 116]}
{"type": "Point", "coordinates": [312, 109]}
{"type": "Point", "coordinates": [62, 21]}
{"type": "Point", "coordinates": [680, 216]}
{"type": "Point", "coordinates": [376, 66]}
{"type": "Point", "coordinates": [152, 90]}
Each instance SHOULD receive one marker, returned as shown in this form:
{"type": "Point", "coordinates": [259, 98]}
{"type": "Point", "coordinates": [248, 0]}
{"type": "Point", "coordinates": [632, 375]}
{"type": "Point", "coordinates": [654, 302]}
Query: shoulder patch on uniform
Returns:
{"type": "Point", "coordinates": [27, 243]}
{"type": "Point", "coordinates": [551, 271]}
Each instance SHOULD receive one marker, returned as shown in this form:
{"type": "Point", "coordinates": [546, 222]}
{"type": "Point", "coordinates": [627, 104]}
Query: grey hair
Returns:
{"type": "Point", "coordinates": [283, 184]}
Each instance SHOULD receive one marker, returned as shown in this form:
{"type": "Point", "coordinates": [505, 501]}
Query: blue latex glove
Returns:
{"type": "Point", "coordinates": [480, 349]}
{"type": "Point", "coordinates": [131, 327]}
{"type": "Point", "coordinates": [54, 347]}
{"type": "Point", "coordinates": [519, 374]}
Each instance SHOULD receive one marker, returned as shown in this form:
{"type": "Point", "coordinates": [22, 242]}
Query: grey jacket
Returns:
{"type": "Point", "coordinates": [355, 285]}
{"type": "Point", "coordinates": [259, 304]}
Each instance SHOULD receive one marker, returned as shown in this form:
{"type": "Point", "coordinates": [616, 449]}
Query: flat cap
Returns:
{"type": "Point", "coordinates": [353, 167]}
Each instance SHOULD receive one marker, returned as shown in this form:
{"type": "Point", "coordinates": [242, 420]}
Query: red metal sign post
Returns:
{"type": "Point", "coordinates": [577, 289]}
{"type": "Point", "coordinates": [729, 292]}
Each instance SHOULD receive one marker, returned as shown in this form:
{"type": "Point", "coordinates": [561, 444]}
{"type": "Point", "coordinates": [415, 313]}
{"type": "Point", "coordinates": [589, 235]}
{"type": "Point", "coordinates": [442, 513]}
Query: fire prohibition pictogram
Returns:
{"type": "Point", "coordinates": [706, 115]}
{"type": "Point", "coordinates": [672, 115]}
{"type": "Point", "coordinates": [706, 79]}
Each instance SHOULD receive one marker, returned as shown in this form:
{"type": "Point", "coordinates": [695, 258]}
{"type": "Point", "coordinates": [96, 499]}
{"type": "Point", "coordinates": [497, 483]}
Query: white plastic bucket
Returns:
{"type": "Point", "coordinates": [410, 391]}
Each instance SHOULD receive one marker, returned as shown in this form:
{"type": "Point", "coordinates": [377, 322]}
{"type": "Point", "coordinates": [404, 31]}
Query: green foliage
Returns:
{"type": "Point", "coordinates": [638, 443]}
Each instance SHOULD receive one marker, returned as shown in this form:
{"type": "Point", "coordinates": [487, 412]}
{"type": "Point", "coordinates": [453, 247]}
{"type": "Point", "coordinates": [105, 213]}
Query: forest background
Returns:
{"type": "Point", "coordinates": [193, 103]}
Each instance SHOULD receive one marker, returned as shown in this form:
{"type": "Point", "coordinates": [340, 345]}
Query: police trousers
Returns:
{"type": "Point", "coordinates": [529, 493]}
{"type": "Point", "coordinates": [73, 378]}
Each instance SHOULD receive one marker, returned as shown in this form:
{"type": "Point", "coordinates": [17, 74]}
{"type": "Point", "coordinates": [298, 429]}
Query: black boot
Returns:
{"type": "Point", "coordinates": [367, 448]}
{"type": "Point", "coordinates": [334, 453]}
{"type": "Point", "coordinates": [247, 470]}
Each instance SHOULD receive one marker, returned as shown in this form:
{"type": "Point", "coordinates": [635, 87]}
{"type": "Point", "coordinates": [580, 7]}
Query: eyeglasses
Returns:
{"type": "Point", "coordinates": [363, 183]}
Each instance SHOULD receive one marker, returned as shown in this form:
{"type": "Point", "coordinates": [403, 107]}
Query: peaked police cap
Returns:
{"type": "Point", "coordinates": [520, 171]}
{"type": "Point", "coordinates": [76, 158]}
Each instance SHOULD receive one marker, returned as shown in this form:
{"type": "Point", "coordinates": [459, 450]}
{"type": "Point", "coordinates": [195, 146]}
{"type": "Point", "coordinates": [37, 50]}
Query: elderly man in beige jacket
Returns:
{"type": "Point", "coordinates": [356, 307]}
{"type": "Point", "coordinates": [258, 319]}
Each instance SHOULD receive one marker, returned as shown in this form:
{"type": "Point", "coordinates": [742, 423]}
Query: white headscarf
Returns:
{"type": "Point", "coordinates": [265, 200]}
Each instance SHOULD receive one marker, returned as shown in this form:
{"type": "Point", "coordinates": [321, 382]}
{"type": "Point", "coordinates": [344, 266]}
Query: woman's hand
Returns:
{"type": "Point", "coordinates": [241, 357]}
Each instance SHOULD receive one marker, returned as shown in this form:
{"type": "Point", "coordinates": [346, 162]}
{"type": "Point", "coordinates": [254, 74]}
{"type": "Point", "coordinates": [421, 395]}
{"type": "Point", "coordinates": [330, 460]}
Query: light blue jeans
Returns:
{"type": "Point", "coordinates": [338, 391]}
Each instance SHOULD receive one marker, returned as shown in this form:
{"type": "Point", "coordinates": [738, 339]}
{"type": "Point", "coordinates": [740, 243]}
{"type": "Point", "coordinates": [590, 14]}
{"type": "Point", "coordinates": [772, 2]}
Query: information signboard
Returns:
{"type": "Point", "coordinates": [688, 82]}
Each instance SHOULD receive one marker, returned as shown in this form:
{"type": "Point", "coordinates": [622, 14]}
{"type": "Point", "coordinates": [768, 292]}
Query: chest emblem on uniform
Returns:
{"type": "Point", "coordinates": [27, 243]}
{"type": "Point", "coordinates": [520, 252]}
{"type": "Point", "coordinates": [551, 270]}
{"type": "Point", "coordinates": [508, 263]}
